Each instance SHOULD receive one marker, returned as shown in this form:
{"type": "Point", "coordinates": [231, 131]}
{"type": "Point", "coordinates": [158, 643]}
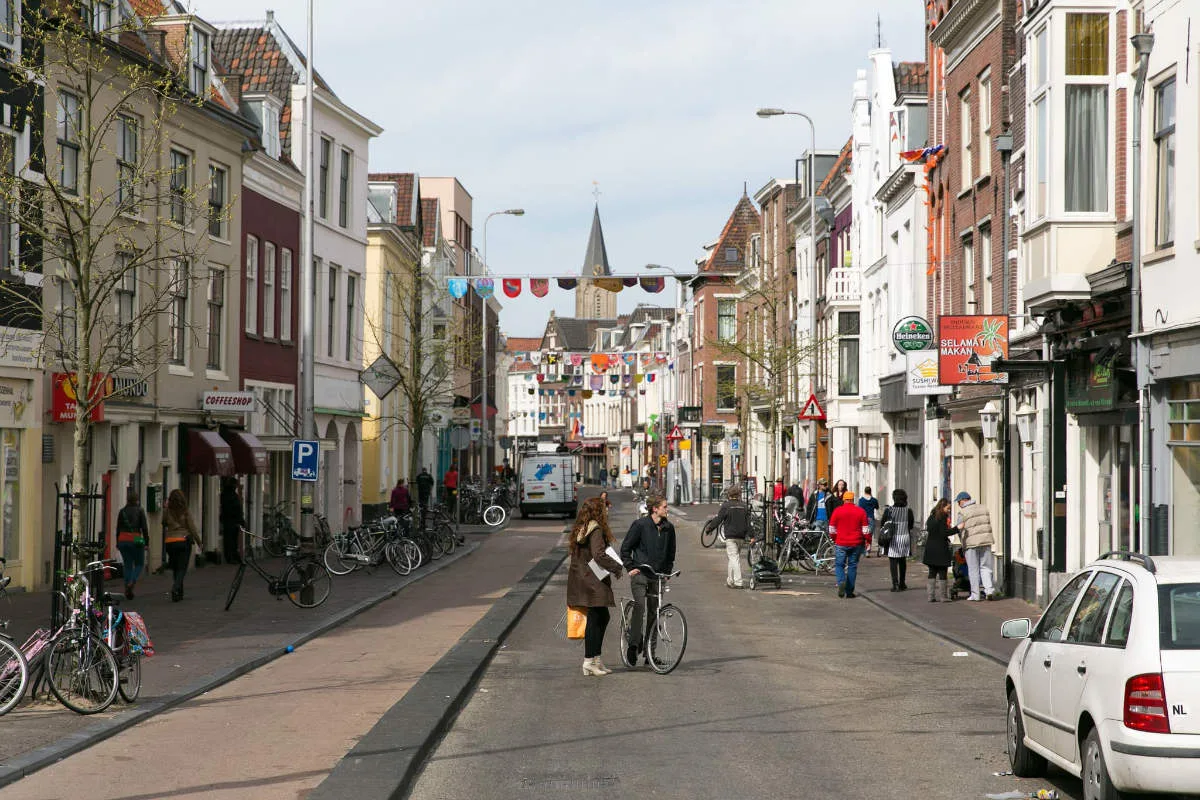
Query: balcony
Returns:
{"type": "Point", "coordinates": [843, 285]}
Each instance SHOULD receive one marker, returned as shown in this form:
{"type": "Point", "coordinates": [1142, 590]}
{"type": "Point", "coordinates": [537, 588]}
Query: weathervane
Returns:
{"type": "Point", "coordinates": [596, 190]}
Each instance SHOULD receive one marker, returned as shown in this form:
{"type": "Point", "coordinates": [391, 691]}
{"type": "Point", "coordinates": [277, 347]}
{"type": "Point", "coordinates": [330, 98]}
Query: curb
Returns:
{"type": "Point", "coordinates": [935, 631]}
{"type": "Point", "coordinates": [42, 757]}
{"type": "Point", "coordinates": [387, 761]}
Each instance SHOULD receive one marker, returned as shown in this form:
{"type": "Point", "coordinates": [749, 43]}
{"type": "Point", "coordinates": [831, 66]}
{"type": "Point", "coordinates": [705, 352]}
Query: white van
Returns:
{"type": "Point", "coordinates": [548, 485]}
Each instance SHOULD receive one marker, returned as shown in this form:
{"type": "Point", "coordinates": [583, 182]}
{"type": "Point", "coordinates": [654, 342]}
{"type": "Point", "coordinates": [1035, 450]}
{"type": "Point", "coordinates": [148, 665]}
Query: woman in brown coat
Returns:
{"type": "Point", "coordinates": [589, 539]}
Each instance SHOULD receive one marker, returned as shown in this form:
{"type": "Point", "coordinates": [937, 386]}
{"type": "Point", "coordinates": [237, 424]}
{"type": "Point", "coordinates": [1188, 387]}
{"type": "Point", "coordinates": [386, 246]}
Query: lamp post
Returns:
{"type": "Point", "coordinates": [673, 356]}
{"type": "Point", "coordinates": [812, 267]}
{"type": "Point", "coordinates": [308, 277]}
{"type": "Point", "coordinates": [483, 401]}
{"type": "Point", "coordinates": [1143, 44]}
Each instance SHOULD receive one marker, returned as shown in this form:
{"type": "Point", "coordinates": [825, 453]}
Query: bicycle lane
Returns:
{"type": "Point", "coordinates": [277, 731]}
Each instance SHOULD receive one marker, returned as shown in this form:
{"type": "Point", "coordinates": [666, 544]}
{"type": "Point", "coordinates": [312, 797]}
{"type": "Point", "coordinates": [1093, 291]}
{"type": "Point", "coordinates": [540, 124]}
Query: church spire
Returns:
{"type": "Point", "coordinates": [596, 260]}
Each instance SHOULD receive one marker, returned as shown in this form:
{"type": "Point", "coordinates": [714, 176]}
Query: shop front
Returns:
{"type": "Point", "coordinates": [20, 473]}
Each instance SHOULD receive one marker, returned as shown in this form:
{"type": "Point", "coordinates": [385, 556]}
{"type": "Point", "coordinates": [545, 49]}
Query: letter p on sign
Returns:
{"type": "Point", "coordinates": [305, 460]}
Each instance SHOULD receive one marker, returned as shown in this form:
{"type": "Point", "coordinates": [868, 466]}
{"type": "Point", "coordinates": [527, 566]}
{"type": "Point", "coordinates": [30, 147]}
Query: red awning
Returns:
{"type": "Point", "coordinates": [249, 455]}
{"type": "Point", "coordinates": [475, 410]}
{"type": "Point", "coordinates": [594, 444]}
{"type": "Point", "coordinates": [574, 447]}
{"type": "Point", "coordinates": [208, 454]}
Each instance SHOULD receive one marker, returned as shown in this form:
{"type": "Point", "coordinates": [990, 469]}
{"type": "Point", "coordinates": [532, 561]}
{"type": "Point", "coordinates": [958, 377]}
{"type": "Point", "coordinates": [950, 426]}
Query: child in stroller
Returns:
{"type": "Point", "coordinates": [960, 579]}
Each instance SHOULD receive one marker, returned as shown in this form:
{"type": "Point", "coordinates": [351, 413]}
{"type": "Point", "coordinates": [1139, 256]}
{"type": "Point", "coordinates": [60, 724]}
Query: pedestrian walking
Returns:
{"type": "Point", "coordinates": [815, 511]}
{"type": "Point", "coordinates": [897, 530]}
{"type": "Point", "coordinates": [835, 497]}
{"type": "Point", "coordinates": [793, 498]}
{"type": "Point", "coordinates": [975, 526]}
{"type": "Point", "coordinates": [850, 532]}
{"type": "Point", "coordinates": [232, 518]}
{"type": "Point", "coordinates": [424, 487]}
{"type": "Point", "coordinates": [450, 484]}
{"type": "Point", "coordinates": [180, 535]}
{"type": "Point", "coordinates": [650, 541]}
{"type": "Point", "coordinates": [735, 516]}
{"type": "Point", "coordinates": [401, 500]}
{"type": "Point", "coordinates": [870, 506]}
{"type": "Point", "coordinates": [938, 555]}
{"type": "Point", "coordinates": [590, 539]}
{"type": "Point", "coordinates": [133, 535]}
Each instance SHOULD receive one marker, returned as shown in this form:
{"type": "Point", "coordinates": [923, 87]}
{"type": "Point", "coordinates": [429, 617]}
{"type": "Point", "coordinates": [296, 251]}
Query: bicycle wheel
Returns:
{"type": "Point", "coordinates": [81, 671]}
{"type": "Point", "coordinates": [308, 583]}
{"type": "Point", "coordinates": [494, 516]}
{"type": "Point", "coordinates": [824, 557]}
{"type": "Point", "coordinates": [786, 554]}
{"type": "Point", "coordinates": [623, 646]}
{"type": "Point", "coordinates": [14, 675]}
{"type": "Point", "coordinates": [397, 557]}
{"type": "Point", "coordinates": [754, 553]}
{"type": "Point", "coordinates": [129, 677]}
{"type": "Point", "coordinates": [708, 536]}
{"type": "Point", "coordinates": [445, 535]}
{"type": "Point", "coordinates": [237, 584]}
{"type": "Point", "coordinates": [669, 639]}
{"type": "Point", "coordinates": [332, 557]}
{"type": "Point", "coordinates": [274, 542]}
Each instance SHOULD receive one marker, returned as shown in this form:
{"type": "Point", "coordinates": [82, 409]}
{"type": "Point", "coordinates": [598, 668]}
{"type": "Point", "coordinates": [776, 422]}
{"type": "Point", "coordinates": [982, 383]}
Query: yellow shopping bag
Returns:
{"type": "Point", "coordinates": [576, 622]}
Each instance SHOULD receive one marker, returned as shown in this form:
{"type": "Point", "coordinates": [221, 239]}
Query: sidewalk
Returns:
{"type": "Point", "coordinates": [198, 645]}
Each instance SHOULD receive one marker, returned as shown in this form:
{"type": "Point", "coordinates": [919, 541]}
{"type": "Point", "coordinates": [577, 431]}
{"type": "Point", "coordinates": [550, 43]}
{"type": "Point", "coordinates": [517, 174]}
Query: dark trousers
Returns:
{"type": "Point", "coordinates": [229, 542]}
{"type": "Point", "coordinates": [899, 569]}
{"type": "Point", "coordinates": [178, 555]}
{"type": "Point", "coordinates": [645, 610]}
{"type": "Point", "coordinates": [938, 572]}
{"type": "Point", "coordinates": [134, 558]}
{"type": "Point", "coordinates": [593, 634]}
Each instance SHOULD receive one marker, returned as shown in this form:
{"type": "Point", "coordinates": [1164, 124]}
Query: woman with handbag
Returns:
{"type": "Point", "coordinates": [938, 555]}
{"type": "Point", "coordinates": [895, 538]}
{"type": "Point", "coordinates": [179, 536]}
{"type": "Point", "coordinates": [133, 535]}
{"type": "Point", "coordinates": [590, 538]}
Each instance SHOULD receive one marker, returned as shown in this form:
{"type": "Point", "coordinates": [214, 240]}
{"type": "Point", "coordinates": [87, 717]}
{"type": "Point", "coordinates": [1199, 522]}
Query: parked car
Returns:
{"type": "Point", "coordinates": [1107, 685]}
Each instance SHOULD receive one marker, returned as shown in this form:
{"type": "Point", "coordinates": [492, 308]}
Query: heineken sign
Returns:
{"type": "Point", "coordinates": [912, 334]}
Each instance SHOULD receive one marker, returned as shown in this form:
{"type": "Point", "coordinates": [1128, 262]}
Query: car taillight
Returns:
{"type": "Point", "coordinates": [1146, 704]}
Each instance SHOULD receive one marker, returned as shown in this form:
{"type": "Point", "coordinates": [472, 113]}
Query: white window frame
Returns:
{"type": "Point", "coordinates": [966, 166]}
{"type": "Point", "coordinates": [268, 292]}
{"type": "Point", "coordinates": [10, 31]}
{"type": "Point", "coordinates": [10, 240]}
{"type": "Point", "coordinates": [250, 291]}
{"type": "Point", "coordinates": [334, 272]}
{"type": "Point", "coordinates": [985, 268]}
{"type": "Point", "coordinates": [199, 60]}
{"type": "Point", "coordinates": [324, 159]}
{"type": "Point", "coordinates": [216, 318]}
{"type": "Point", "coordinates": [180, 185]}
{"type": "Point", "coordinates": [70, 119]}
{"type": "Point", "coordinates": [126, 298]}
{"type": "Point", "coordinates": [970, 299]}
{"type": "Point", "coordinates": [345, 186]}
{"type": "Point", "coordinates": [128, 144]}
{"type": "Point", "coordinates": [352, 284]}
{"type": "Point", "coordinates": [1059, 71]}
{"type": "Point", "coordinates": [985, 123]}
{"type": "Point", "coordinates": [285, 294]}
{"type": "Point", "coordinates": [1040, 96]}
{"type": "Point", "coordinates": [178, 317]}
{"type": "Point", "coordinates": [1162, 135]}
{"type": "Point", "coordinates": [218, 200]}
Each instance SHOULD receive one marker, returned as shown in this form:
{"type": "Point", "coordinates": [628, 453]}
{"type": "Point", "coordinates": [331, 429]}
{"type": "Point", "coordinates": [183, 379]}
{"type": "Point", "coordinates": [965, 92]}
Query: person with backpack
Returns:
{"type": "Point", "coordinates": [895, 538]}
{"type": "Point", "coordinates": [133, 536]}
{"type": "Point", "coordinates": [735, 516]}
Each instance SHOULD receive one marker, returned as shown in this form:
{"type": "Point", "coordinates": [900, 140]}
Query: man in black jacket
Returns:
{"type": "Point", "coordinates": [735, 516]}
{"type": "Point", "coordinates": [651, 542]}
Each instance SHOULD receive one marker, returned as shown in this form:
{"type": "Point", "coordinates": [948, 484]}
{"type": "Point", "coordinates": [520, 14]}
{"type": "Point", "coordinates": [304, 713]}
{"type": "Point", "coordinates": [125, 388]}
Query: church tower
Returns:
{"type": "Point", "coordinates": [592, 302]}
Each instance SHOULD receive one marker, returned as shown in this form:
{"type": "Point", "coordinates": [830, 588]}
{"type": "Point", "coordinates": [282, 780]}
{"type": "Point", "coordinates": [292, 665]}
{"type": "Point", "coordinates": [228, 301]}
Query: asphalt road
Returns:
{"type": "Point", "coordinates": [781, 694]}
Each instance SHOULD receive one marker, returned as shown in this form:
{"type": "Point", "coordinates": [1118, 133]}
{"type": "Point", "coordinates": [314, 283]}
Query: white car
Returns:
{"type": "Point", "coordinates": [1107, 685]}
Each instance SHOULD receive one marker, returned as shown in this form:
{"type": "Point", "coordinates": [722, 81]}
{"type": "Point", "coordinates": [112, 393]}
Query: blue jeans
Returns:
{"type": "Point", "coordinates": [845, 565]}
{"type": "Point", "coordinates": [134, 556]}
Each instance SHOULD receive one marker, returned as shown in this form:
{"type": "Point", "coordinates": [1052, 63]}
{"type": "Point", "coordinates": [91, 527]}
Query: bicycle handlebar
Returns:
{"type": "Point", "coordinates": [651, 572]}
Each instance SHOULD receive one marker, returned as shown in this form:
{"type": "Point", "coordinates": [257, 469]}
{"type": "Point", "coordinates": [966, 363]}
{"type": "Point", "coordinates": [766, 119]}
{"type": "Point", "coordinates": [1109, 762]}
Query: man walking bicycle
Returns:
{"type": "Point", "coordinates": [650, 541]}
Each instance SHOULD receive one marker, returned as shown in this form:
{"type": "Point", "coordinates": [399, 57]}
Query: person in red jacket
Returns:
{"type": "Point", "coordinates": [851, 534]}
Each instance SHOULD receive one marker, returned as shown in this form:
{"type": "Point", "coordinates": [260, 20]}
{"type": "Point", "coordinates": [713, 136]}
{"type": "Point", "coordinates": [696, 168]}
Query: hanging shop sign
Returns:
{"type": "Point", "coordinates": [16, 396]}
{"type": "Point", "coordinates": [913, 333]}
{"type": "Point", "coordinates": [228, 402]}
{"type": "Point", "coordinates": [64, 398]}
{"type": "Point", "coordinates": [1092, 385]}
{"type": "Point", "coordinates": [922, 374]}
{"type": "Point", "coordinates": [967, 347]}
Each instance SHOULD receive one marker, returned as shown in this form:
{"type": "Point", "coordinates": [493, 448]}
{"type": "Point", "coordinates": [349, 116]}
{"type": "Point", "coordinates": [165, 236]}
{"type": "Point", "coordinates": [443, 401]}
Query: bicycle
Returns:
{"type": "Point", "coordinates": [811, 548]}
{"type": "Point", "coordinates": [79, 666]}
{"type": "Point", "coordinates": [712, 533]}
{"type": "Point", "coordinates": [668, 637]}
{"type": "Point", "coordinates": [278, 532]}
{"type": "Point", "coordinates": [306, 582]}
{"type": "Point", "coordinates": [14, 669]}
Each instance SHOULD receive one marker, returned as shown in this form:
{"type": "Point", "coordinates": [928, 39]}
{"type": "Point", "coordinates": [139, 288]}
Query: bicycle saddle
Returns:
{"type": "Point", "coordinates": [107, 599]}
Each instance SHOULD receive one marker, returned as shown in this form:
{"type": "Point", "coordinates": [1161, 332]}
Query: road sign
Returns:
{"type": "Point", "coordinates": [476, 430]}
{"type": "Point", "coordinates": [735, 444]}
{"type": "Point", "coordinates": [675, 434]}
{"type": "Point", "coordinates": [381, 377]}
{"type": "Point", "coordinates": [305, 460]}
{"type": "Point", "coordinates": [459, 438]}
{"type": "Point", "coordinates": [460, 413]}
{"type": "Point", "coordinates": [662, 461]}
{"type": "Point", "coordinates": [812, 410]}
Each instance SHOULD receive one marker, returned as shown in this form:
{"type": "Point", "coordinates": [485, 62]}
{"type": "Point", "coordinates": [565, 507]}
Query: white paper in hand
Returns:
{"type": "Point", "coordinates": [613, 554]}
{"type": "Point", "coordinates": [600, 572]}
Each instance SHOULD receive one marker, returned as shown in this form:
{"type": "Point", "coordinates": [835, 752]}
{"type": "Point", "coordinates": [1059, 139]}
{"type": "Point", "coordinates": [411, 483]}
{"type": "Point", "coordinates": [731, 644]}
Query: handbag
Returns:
{"type": "Point", "coordinates": [576, 622]}
{"type": "Point", "coordinates": [887, 530]}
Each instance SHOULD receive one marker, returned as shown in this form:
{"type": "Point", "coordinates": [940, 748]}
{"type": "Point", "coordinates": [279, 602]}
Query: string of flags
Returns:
{"type": "Point", "coordinates": [577, 363]}
{"type": "Point", "coordinates": [539, 287]}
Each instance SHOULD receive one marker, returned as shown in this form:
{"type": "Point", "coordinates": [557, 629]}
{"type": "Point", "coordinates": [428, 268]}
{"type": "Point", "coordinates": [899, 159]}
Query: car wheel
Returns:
{"type": "Point", "coordinates": [1096, 783]}
{"type": "Point", "coordinates": [1024, 762]}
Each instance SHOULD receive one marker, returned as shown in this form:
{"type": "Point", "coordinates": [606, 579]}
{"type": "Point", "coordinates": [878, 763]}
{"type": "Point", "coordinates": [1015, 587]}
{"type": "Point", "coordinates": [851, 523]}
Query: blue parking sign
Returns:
{"type": "Point", "coordinates": [305, 462]}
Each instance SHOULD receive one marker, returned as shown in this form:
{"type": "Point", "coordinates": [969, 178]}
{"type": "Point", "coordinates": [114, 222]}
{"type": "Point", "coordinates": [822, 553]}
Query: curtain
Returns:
{"type": "Point", "coordinates": [1087, 148]}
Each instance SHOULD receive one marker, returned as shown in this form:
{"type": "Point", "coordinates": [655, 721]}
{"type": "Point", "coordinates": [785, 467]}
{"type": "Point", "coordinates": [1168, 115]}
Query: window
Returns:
{"type": "Point", "coordinates": [848, 352]}
{"type": "Point", "coordinates": [268, 289]}
{"type": "Point", "coordinates": [1087, 44]}
{"type": "Point", "coordinates": [266, 114]}
{"type": "Point", "coordinates": [126, 291]}
{"type": "Point", "coordinates": [726, 320]}
{"type": "Point", "coordinates": [67, 307]}
{"type": "Point", "coordinates": [127, 159]}
{"type": "Point", "coordinates": [351, 298]}
{"type": "Point", "coordinates": [1164, 167]}
{"type": "Point", "coordinates": [250, 294]}
{"type": "Point", "coordinates": [70, 120]}
{"type": "Point", "coordinates": [8, 29]}
{"type": "Point", "coordinates": [331, 289]}
{"type": "Point", "coordinates": [985, 123]}
{"type": "Point", "coordinates": [181, 180]}
{"type": "Point", "coordinates": [1041, 69]}
{"type": "Point", "coordinates": [1041, 193]}
{"type": "Point", "coordinates": [179, 311]}
{"type": "Point", "coordinates": [1088, 624]}
{"type": "Point", "coordinates": [1122, 616]}
{"type": "Point", "coordinates": [285, 294]}
{"type": "Point", "coordinates": [218, 181]}
{"type": "Point", "coordinates": [216, 316]}
{"type": "Point", "coordinates": [199, 76]}
{"type": "Point", "coordinates": [102, 15]}
{"type": "Point", "coordinates": [1053, 624]}
{"type": "Point", "coordinates": [1178, 618]}
{"type": "Point", "coordinates": [1085, 167]}
{"type": "Point", "coordinates": [8, 228]}
{"type": "Point", "coordinates": [344, 190]}
{"type": "Point", "coordinates": [726, 387]}
{"type": "Point", "coordinates": [965, 126]}
{"type": "Point", "coordinates": [985, 268]}
{"type": "Point", "coordinates": [323, 179]}
{"type": "Point", "coordinates": [968, 268]}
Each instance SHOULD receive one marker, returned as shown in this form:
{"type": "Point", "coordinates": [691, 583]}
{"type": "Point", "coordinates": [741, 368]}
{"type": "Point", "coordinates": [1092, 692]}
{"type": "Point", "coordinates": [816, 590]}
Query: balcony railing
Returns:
{"type": "Point", "coordinates": [843, 286]}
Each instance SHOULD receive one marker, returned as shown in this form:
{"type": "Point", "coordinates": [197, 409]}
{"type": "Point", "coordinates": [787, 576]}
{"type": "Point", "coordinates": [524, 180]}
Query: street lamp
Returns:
{"type": "Point", "coordinates": [989, 417]}
{"type": "Point", "coordinates": [483, 402]}
{"type": "Point", "coordinates": [1026, 422]}
{"type": "Point", "coordinates": [1143, 44]}
{"type": "Point", "coordinates": [673, 356]}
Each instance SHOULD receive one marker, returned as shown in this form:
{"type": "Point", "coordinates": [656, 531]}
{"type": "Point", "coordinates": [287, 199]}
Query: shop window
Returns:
{"type": "Point", "coordinates": [10, 494]}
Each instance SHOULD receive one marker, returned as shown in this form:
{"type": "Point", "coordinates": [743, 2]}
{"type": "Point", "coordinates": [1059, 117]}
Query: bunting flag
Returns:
{"type": "Point", "coordinates": [532, 390]}
{"type": "Point", "coordinates": [484, 287]}
{"type": "Point", "coordinates": [576, 359]}
{"type": "Point", "coordinates": [608, 284]}
{"type": "Point", "coordinates": [638, 378]}
{"type": "Point", "coordinates": [577, 380]}
{"type": "Point", "coordinates": [541, 377]}
{"type": "Point", "coordinates": [641, 391]}
{"type": "Point", "coordinates": [650, 376]}
{"type": "Point", "coordinates": [539, 286]}
{"type": "Point", "coordinates": [646, 359]}
{"type": "Point", "coordinates": [614, 360]}
{"type": "Point", "coordinates": [913, 156]}
{"type": "Point", "coordinates": [457, 287]}
{"type": "Point", "coordinates": [535, 358]}
{"type": "Point", "coordinates": [630, 358]}
{"type": "Point", "coordinates": [597, 382]}
{"type": "Point", "coordinates": [512, 287]}
{"type": "Point", "coordinates": [587, 394]}
{"type": "Point", "coordinates": [567, 283]}
{"type": "Point", "coordinates": [631, 281]}
{"type": "Point", "coordinates": [653, 285]}
{"type": "Point", "coordinates": [570, 392]}
{"type": "Point", "coordinates": [600, 362]}
{"type": "Point", "coordinates": [614, 378]}
{"type": "Point", "coordinates": [660, 358]}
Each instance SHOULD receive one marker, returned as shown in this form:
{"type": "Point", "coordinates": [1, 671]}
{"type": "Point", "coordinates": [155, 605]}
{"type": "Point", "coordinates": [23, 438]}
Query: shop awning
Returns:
{"type": "Point", "coordinates": [594, 444]}
{"type": "Point", "coordinates": [208, 454]}
{"type": "Point", "coordinates": [475, 411]}
{"type": "Point", "coordinates": [249, 454]}
{"type": "Point", "coordinates": [574, 447]}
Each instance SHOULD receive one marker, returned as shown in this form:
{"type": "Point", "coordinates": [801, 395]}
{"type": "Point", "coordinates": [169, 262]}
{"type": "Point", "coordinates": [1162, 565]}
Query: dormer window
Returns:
{"type": "Point", "coordinates": [102, 16]}
{"type": "Point", "coordinates": [266, 112]}
{"type": "Point", "coordinates": [199, 57]}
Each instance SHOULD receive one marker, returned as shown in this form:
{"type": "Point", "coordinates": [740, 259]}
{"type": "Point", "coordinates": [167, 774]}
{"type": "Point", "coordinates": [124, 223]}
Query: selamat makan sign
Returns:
{"type": "Point", "coordinates": [967, 348]}
{"type": "Point", "coordinates": [228, 402]}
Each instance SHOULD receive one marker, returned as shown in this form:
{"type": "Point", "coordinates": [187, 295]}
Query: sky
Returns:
{"type": "Point", "coordinates": [537, 103]}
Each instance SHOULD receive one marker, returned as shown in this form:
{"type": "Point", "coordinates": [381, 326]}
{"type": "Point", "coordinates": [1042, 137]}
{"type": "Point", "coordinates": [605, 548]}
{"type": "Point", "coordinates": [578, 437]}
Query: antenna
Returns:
{"type": "Point", "coordinates": [878, 32]}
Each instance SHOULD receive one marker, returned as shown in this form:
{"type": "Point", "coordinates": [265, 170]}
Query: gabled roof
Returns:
{"type": "Point", "coordinates": [911, 77]}
{"type": "Point", "coordinates": [596, 260]}
{"type": "Point", "coordinates": [522, 344]}
{"type": "Point", "coordinates": [731, 248]}
{"type": "Point", "coordinates": [431, 216]}
{"type": "Point", "coordinates": [842, 165]}
{"type": "Point", "coordinates": [575, 333]}
{"type": "Point", "coordinates": [407, 195]}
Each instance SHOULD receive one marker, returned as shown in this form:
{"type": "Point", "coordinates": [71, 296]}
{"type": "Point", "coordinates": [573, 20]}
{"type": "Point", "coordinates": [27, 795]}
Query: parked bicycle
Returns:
{"type": "Point", "coordinates": [304, 581]}
{"type": "Point", "coordinates": [668, 635]}
{"type": "Point", "coordinates": [278, 531]}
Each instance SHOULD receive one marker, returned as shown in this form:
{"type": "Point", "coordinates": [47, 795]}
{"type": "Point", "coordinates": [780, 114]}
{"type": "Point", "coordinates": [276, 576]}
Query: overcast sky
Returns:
{"type": "Point", "coordinates": [530, 101]}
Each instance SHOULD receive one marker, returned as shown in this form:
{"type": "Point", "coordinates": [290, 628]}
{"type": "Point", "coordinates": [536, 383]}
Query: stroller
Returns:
{"type": "Point", "coordinates": [960, 578]}
{"type": "Point", "coordinates": [765, 572]}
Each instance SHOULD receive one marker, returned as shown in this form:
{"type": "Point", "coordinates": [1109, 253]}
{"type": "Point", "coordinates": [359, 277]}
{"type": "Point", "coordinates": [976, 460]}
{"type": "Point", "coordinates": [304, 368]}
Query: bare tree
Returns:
{"type": "Point", "coordinates": [105, 210]}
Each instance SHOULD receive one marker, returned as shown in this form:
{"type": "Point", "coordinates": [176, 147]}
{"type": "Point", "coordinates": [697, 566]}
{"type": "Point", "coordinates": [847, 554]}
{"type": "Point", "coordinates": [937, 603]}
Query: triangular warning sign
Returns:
{"type": "Point", "coordinates": [675, 434]}
{"type": "Point", "coordinates": [812, 409]}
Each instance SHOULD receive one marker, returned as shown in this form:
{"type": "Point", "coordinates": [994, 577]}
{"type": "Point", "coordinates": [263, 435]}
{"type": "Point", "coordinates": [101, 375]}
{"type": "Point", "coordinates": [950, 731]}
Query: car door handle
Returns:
{"type": "Point", "coordinates": [1046, 663]}
{"type": "Point", "coordinates": [1081, 669]}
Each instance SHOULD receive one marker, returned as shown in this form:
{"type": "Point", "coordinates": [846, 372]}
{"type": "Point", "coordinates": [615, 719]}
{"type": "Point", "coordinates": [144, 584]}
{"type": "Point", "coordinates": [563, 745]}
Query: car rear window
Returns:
{"type": "Point", "coordinates": [1179, 616]}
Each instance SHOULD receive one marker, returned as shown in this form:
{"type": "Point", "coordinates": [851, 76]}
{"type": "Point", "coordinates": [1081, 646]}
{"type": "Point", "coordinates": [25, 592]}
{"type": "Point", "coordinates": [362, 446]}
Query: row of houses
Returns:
{"type": "Point", "coordinates": [151, 274]}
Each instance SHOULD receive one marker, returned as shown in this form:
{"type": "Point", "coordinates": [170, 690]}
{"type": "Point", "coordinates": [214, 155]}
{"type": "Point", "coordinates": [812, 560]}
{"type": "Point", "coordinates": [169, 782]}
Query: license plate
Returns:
{"type": "Point", "coordinates": [537, 494]}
